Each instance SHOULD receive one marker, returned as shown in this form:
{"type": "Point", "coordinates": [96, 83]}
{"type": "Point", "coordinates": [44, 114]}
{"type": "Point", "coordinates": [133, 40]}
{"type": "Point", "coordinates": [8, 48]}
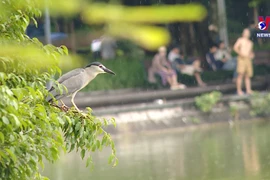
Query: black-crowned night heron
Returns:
{"type": "Point", "coordinates": [76, 80]}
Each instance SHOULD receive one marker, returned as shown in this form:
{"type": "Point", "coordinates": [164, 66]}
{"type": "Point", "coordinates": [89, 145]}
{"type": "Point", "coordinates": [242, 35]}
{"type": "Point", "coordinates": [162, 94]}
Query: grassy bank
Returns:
{"type": "Point", "coordinates": [129, 74]}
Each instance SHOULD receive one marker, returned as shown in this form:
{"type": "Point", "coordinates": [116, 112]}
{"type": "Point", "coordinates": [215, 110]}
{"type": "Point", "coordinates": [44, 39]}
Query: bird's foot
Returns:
{"type": "Point", "coordinates": [64, 108]}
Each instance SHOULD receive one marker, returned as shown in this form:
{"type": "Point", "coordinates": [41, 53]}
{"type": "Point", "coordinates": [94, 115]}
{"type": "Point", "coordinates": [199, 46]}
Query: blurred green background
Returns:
{"type": "Point", "coordinates": [133, 47]}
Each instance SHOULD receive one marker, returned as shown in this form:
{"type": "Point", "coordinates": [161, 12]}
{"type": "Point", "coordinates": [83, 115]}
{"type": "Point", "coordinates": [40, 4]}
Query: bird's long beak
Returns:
{"type": "Point", "coordinates": [108, 71]}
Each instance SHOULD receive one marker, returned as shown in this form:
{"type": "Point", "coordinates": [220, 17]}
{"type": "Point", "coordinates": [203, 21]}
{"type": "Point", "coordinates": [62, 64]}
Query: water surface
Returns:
{"type": "Point", "coordinates": [218, 153]}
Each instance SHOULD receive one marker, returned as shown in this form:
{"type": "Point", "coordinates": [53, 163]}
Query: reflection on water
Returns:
{"type": "Point", "coordinates": [218, 153]}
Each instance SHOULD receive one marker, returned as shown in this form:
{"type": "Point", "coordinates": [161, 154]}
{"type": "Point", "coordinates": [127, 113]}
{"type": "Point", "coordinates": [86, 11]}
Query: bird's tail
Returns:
{"type": "Point", "coordinates": [55, 93]}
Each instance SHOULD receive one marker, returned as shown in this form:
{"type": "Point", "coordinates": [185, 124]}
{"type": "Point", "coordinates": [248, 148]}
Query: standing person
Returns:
{"type": "Point", "coordinates": [161, 66]}
{"type": "Point", "coordinates": [108, 48]}
{"type": "Point", "coordinates": [244, 48]}
{"type": "Point", "coordinates": [95, 48]}
{"type": "Point", "coordinates": [213, 34]}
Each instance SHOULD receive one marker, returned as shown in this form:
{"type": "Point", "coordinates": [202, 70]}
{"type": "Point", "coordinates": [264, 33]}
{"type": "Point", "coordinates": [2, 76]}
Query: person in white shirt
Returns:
{"type": "Point", "coordinates": [223, 54]}
{"type": "Point", "coordinates": [95, 48]}
{"type": "Point", "coordinates": [191, 67]}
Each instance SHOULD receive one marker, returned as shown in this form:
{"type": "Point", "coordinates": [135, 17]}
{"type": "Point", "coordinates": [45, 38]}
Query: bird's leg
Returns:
{"type": "Point", "coordinates": [56, 106]}
{"type": "Point", "coordinates": [64, 107]}
{"type": "Point", "coordinates": [72, 101]}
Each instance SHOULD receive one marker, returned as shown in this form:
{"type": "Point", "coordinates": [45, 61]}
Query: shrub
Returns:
{"type": "Point", "coordinates": [31, 129]}
{"type": "Point", "coordinates": [260, 104]}
{"type": "Point", "coordinates": [207, 101]}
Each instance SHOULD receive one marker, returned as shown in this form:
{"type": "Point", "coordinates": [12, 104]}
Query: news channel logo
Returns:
{"type": "Point", "coordinates": [262, 25]}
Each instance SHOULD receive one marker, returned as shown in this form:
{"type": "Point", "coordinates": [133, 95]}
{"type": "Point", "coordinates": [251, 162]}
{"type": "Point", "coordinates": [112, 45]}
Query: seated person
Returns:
{"type": "Point", "coordinates": [210, 58]}
{"type": "Point", "coordinates": [190, 67]}
{"type": "Point", "coordinates": [224, 55]}
{"type": "Point", "coordinates": [161, 66]}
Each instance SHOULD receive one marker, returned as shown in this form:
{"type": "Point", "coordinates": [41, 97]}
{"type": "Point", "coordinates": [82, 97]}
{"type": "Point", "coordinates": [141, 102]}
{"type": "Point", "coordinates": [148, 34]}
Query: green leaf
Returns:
{"type": "Point", "coordinates": [72, 147]}
{"type": "Point", "coordinates": [89, 161]}
{"type": "Point", "coordinates": [11, 154]}
{"type": "Point", "coordinates": [98, 144]}
{"type": "Point", "coordinates": [61, 121]}
{"type": "Point", "coordinates": [94, 147]}
{"type": "Point", "coordinates": [105, 122]}
{"type": "Point", "coordinates": [111, 158]}
{"type": "Point", "coordinates": [65, 49]}
{"type": "Point", "coordinates": [115, 162]}
{"type": "Point", "coordinates": [78, 126]}
{"type": "Point", "coordinates": [34, 21]}
{"type": "Point", "coordinates": [104, 140]}
{"type": "Point", "coordinates": [15, 120]}
{"type": "Point", "coordinates": [2, 138]}
{"type": "Point", "coordinates": [11, 138]}
{"type": "Point", "coordinates": [82, 153]}
{"type": "Point", "coordinates": [113, 122]}
{"type": "Point", "coordinates": [5, 120]}
{"type": "Point", "coordinates": [54, 153]}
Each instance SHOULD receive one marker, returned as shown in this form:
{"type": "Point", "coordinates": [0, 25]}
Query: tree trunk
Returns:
{"type": "Point", "coordinates": [202, 39]}
{"type": "Point", "coordinates": [222, 19]}
{"type": "Point", "coordinates": [193, 49]}
{"type": "Point", "coordinates": [256, 16]}
{"type": "Point", "coordinates": [47, 27]}
{"type": "Point", "coordinates": [72, 37]}
{"type": "Point", "coordinates": [183, 37]}
{"type": "Point", "coordinates": [213, 14]}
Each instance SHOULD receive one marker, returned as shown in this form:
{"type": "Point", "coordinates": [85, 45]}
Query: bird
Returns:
{"type": "Point", "coordinates": [74, 81]}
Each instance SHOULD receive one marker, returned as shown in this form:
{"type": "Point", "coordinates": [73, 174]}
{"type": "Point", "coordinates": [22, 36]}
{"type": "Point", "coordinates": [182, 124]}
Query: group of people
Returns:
{"type": "Point", "coordinates": [219, 58]}
{"type": "Point", "coordinates": [167, 68]}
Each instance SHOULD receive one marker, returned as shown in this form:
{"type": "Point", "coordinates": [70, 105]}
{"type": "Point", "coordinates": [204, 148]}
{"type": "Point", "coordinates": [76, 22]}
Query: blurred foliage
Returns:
{"type": "Point", "coordinates": [129, 22]}
{"type": "Point", "coordinates": [260, 104]}
{"type": "Point", "coordinates": [207, 101]}
{"type": "Point", "coordinates": [100, 13]}
{"type": "Point", "coordinates": [234, 110]}
{"type": "Point", "coordinates": [125, 22]}
{"type": "Point", "coordinates": [68, 7]}
{"type": "Point", "coordinates": [31, 129]}
{"type": "Point", "coordinates": [129, 50]}
{"type": "Point", "coordinates": [256, 3]}
{"type": "Point", "coordinates": [149, 37]}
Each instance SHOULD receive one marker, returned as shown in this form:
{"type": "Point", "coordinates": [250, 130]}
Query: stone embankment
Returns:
{"type": "Point", "coordinates": [139, 111]}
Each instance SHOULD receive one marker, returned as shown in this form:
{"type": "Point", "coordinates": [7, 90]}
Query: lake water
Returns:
{"type": "Point", "coordinates": [223, 152]}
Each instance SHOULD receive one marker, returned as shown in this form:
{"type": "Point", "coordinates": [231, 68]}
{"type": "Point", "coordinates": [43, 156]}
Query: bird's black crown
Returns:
{"type": "Point", "coordinates": [93, 64]}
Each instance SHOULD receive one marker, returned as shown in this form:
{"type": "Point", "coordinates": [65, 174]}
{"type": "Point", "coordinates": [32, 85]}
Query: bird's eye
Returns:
{"type": "Point", "coordinates": [100, 66]}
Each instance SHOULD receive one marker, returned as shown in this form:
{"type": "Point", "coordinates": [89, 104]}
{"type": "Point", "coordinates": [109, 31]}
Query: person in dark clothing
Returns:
{"type": "Point", "coordinates": [253, 32]}
{"type": "Point", "coordinates": [213, 34]}
{"type": "Point", "coordinates": [191, 66]}
{"type": "Point", "coordinates": [213, 63]}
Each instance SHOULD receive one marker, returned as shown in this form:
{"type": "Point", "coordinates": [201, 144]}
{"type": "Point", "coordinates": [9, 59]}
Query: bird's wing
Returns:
{"type": "Point", "coordinates": [70, 74]}
{"type": "Point", "coordinates": [71, 80]}
{"type": "Point", "coordinates": [75, 83]}
{"type": "Point", "coordinates": [64, 77]}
